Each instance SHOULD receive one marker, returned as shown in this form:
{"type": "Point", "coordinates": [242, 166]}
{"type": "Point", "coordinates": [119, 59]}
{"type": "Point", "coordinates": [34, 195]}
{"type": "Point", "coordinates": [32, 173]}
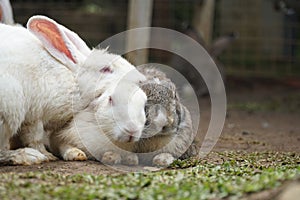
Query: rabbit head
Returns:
{"type": "Point", "coordinates": [89, 66]}
{"type": "Point", "coordinates": [100, 67]}
{"type": "Point", "coordinates": [120, 112]}
{"type": "Point", "coordinates": [97, 73]}
{"type": "Point", "coordinates": [162, 107]}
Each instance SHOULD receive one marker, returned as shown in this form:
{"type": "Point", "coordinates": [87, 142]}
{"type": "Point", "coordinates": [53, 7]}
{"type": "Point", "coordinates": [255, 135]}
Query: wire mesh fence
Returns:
{"type": "Point", "coordinates": [268, 44]}
{"type": "Point", "coordinates": [93, 20]}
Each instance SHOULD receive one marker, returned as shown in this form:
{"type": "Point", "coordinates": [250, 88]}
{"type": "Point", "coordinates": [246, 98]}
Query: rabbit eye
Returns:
{"type": "Point", "coordinates": [106, 69]}
{"type": "Point", "coordinates": [164, 128]}
{"type": "Point", "coordinates": [147, 123]}
{"type": "Point", "coordinates": [110, 100]}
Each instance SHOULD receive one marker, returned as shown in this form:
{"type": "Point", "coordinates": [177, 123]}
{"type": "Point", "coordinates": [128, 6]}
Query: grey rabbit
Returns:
{"type": "Point", "coordinates": [168, 132]}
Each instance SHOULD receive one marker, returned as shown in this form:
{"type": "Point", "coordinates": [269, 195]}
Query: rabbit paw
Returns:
{"type": "Point", "coordinates": [163, 160]}
{"type": "Point", "coordinates": [131, 159]}
{"type": "Point", "coordinates": [111, 158]}
{"type": "Point", "coordinates": [41, 148]}
{"type": "Point", "coordinates": [192, 151]}
{"type": "Point", "coordinates": [25, 156]}
{"type": "Point", "coordinates": [73, 154]}
{"type": "Point", "coordinates": [50, 156]}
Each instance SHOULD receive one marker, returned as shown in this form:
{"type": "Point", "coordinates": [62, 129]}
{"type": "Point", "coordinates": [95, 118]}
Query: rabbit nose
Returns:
{"type": "Point", "coordinates": [132, 133]}
{"type": "Point", "coordinates": [171, 120]}
{"type": "Point", "coordinates": [160, 119]}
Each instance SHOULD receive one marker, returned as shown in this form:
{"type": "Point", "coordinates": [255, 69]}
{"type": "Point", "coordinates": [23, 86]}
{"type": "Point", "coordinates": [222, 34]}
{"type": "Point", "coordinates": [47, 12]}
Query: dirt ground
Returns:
{"type": "Point", "coordinates": [261, 115]}
{"type": "Point", "coordinates": [259, 127]}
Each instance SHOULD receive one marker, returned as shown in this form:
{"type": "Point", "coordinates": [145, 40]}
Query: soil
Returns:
{"type": "Point", "coordinates": [275, 128]}
{"type": "Point", "coordinates": [274, 125]}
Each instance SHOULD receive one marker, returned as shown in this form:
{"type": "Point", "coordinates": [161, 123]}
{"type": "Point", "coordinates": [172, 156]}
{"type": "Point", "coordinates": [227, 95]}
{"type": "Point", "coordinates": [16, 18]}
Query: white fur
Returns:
{"type": "Point", "coordinates": [34, 86]}
{"type": "Point", "coordinates": [7, 14]}
{"type": "Point", "coordinates": [108, 126]}
{"type": "Point", "coordinates": [39, 91]}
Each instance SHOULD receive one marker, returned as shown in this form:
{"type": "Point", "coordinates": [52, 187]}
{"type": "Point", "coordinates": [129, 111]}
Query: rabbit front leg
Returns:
{"type": "Point", "coordinates": [111, 158]}
{"type": "Point", "coordinates": [163, 159]}
{"type": "Point", "coordinates": [31, 135]}
{"type": "Point", "coordinates": [115, 158]}
{"type": "Point", "coordinates": [71, 153]}
{"type": "Point", "coordinates": [130, 159]}
{"type": "Point", "coordinates": [64, 144]}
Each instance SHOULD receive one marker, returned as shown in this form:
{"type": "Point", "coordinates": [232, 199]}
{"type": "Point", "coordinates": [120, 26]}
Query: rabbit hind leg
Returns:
{"type": "Point", "coordinates": [4, 135]}
{"type": "Point", "coordinates": [32, 135]}
{"type": "Point", "coordinates": [12, 108]}
{"type": "Point", "coordinates": [22, 156]}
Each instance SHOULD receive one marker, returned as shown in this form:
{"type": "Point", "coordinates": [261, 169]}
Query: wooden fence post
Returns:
{"type": "Point", "coordinates": [139, 15]}
{"type": "Point", "coordinates": [203, 19]}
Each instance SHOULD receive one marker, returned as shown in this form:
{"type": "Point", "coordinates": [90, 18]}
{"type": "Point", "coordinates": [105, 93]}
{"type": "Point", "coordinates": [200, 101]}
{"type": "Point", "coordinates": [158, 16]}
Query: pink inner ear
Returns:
{"type": "Point", "coordinates": [51, 33]}
{"type": "Point", "coordinates": [1, 15]}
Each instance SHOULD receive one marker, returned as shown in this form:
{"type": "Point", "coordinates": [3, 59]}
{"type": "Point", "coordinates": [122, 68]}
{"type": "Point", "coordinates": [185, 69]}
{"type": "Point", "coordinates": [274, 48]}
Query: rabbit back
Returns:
{"type": "Point", "coordinates": [48, 87]}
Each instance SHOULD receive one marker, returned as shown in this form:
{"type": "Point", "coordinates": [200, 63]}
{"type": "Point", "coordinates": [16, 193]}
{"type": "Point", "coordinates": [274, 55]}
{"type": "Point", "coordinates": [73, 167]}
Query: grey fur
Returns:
{"type": "Point", "coordinates": [172, 132]}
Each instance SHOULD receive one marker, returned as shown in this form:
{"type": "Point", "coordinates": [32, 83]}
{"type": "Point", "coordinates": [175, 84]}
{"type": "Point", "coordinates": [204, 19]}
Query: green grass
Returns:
{"type": "Point", "coordinates": [227, 174]}
{"type": "Point", "coordinates": [288, 103]}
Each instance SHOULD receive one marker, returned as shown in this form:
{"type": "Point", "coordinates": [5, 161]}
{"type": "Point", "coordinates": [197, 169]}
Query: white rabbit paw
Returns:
{"type": "Point", "coordinates": [111, 158]}
{"type": "Point", "coordinates": [74, 154]}
{"type": "Point", "coordinates": [163, 160]}
{"type": "Point", "coordinates": [26, 156]}
{"type": "Point", "coordinates": [50, 156]}
{"type": "Point", "coordinates": [41, 148]}
{"type": "Point", "coordinates": [130, 159]}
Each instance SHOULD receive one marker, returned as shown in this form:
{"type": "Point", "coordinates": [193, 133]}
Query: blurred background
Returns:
{"type": "Point", "coordinates": [267, 31]}
{"type": "Point", "coordinates": [255, 44]}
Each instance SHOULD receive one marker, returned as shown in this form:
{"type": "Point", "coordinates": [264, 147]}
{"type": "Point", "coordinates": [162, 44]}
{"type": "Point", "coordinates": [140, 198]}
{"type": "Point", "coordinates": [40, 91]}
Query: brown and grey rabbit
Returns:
{"type": "Point", "coordinates": [168, 132]}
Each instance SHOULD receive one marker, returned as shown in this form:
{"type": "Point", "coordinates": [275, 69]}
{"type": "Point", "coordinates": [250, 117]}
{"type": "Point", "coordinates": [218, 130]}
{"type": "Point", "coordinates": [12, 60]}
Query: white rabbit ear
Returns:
{"type": "Point", "coordinates": [55, 40]}
{"type": "Point", "coordinates": [6, 14]}
{"type": "Point", "coordinates": [77, 41]}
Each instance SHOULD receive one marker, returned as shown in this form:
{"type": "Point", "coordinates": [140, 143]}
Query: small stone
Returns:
{"type": "Point", "coordinates": [231, 125]}
{"type": "Point", "coordinates": [265, 125]}
{"type": "Point", "coordinates": [245, 132]}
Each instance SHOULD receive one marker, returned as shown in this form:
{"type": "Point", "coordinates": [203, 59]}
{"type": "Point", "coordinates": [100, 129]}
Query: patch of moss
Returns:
{"type": "Point", "coordinates": [219, 175]}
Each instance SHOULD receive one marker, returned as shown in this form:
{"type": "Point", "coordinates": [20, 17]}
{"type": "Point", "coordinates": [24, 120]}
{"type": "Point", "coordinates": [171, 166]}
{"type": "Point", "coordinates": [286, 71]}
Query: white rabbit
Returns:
{"type": "Point", "coordinates": [47, 73]}
{"type": "Point", "coordinates": [6, 14]}
{"type": "Point", "coordinates": [107, 129]}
